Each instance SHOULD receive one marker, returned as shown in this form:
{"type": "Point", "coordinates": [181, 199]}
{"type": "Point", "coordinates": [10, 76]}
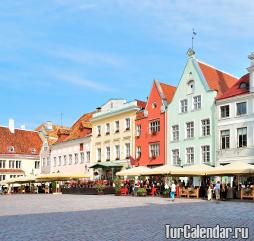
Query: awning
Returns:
{"type": "Point", "coordinates": [61, 176]}
{"type": "Point", "coordinates": [26, 179]}
{"type": "Point", "coordinates": [192, 170]}
{"type": "Point", "coordinates": [105, 165]}
{"type": "Point", "coordinates": [135, 171]}
{"type": "Point", "coordinates": [163, 170]}
{"type": "Point", "coordinates": [234, 168]}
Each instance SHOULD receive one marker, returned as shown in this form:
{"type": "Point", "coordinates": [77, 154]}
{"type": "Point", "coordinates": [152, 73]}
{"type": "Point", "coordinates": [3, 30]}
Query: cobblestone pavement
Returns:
{"type": "Point", "coordinates": [107, 217]}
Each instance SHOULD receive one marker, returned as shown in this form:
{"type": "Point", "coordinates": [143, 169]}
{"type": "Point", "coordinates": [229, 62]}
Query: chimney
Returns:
{"type": "Point", "coordinates": [11, 125]}
{"type": "Point", "coordinates": [251, 71]}
{"type": "Point", "coordinates": [22, 127]}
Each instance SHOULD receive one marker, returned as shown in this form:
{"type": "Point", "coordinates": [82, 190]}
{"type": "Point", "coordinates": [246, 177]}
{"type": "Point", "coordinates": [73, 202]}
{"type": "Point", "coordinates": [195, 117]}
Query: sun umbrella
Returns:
{"type": "Point", "coordinates": [192, 170]}
{"type": "Point", "coordinates": [135, 171]}
{"type": "Point", "coordinates": [163, 170]}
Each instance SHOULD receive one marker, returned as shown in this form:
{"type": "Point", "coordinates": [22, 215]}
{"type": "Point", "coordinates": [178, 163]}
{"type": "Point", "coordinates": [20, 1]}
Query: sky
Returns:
{"type": "Point", "coordinates": [69, 57]}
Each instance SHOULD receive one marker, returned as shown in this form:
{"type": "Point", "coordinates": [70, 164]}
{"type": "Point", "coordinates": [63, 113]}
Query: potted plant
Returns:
{"type": "Point", "coordinates": [100, 187]}
{"type": "Point", "coordinates": [165, 193]}
{"type": "Point", "coordinates": [247, 191]}
{"type": "Point", "coordinates": [117, 184]}
{"type": "Point", "coordinates": [141, 192]}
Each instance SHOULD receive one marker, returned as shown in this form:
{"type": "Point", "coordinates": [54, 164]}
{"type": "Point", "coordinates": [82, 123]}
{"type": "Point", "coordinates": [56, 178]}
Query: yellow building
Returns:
{"type": "Point", "coordinates": [113, 136]}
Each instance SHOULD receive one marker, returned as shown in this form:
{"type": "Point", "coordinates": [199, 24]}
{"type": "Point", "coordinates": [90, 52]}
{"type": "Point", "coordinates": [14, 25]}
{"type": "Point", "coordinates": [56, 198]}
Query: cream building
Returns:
{"type": "Point", "coordinates": [113, 131]}
{"type": "Point", "coordinates": [19, 152]}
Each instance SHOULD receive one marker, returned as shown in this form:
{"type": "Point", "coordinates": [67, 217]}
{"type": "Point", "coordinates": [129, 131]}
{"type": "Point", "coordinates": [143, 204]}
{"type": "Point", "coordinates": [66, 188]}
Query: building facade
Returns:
{"type": "Point", "coordinates": [113, 131]}
{"type": "Point", "coordinates": [19, 152]}
{"type": "Point", "coordinates": [71, 153]}
{"type": "Point", "coordinates": [235, 113]}
{"type": "Point", "coordinates": [191, 113]}
{"type": "Point", "coordinates": [150, 126]}
{"type": "Point", "coordinates": [48, 133]}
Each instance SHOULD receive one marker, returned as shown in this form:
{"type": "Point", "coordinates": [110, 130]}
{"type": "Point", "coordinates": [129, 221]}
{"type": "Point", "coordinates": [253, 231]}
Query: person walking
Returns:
{"type": "Point", "coordinates": [173, 190]}
{"type": "Point", "coordinates": [217, 191]}
{"type": "Point", "coordinates": [210, 192]}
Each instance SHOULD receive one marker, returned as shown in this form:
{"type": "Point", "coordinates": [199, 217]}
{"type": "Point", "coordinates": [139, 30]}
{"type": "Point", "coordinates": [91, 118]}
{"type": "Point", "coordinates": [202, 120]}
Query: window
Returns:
{"type": "Point", "coordinates": [138, 130]}
{"type": "Point", "coordinates": [82, 157]}
{"type": "Point", "coordinates": [117, 126]}
{"type": "Point", "coordinates": [98, 130]}
{"type": "Point", "coordinates": [18, 164]}
{"type": "Point", "coordinates": [154, 150]}
{"type": "Point", "coordinates": [225, 139]}
{"type": "Point", "coordinates": [43, 162]}
{"type": "Point", "coordinates": [70, 159]}
{"type": "Point", "coordinates": [98, 154]}
{"type": "Point", "coordinates": [2, 163]}
{"type": "Point", "coordinates": [242, 137]}
{"type": "Point", "coordinates": [154, 105]}
{"type": "Point", "coordinates": [59, 161]}
{"type": "Point", "coordinates": [138, 151]}
{"type": "Point", "coordinates": [197, 102]}
{"type": "Point", "coordinates": [175, 133]}
{"type": "Point", "coordinates": [205, 127]}
{"type": "Point", "coordinates": [190, 155]}
{"type": "Point", "coordinates": [11, 149]}
{"type": "Point", "coordinates": [76, 158]}
{"type": "Point", "coordinates": [2, 177]}
{"type": "Point", "coordinates": [127, 150]}
{"type": "Point", "coordinates": [65, 160]}
{"type": "Point", "coordinates": [107, 153]}
{"type": "Point", "coordinates": [191, 87]}
{"type": "Point", "coordinates": [33, 150]}
{"type": "Point", "coordinates": [37, 164]}
{"type": "Point", "coordinates": [189, 130]}
{"type": "Point", "coordinates": [205, 154]}
{"type": "Point", "coordinates": [11, 164]}
{"type": "Point", "coordinates": [175, 157]}
{"type": "Point", "coordinates": [224, 111]}
{"type": "Point", "coordinates": [184, 106]}
{"type": "Point", "coordinates": [127, 124]}
{"type": "Point", "coordinates": [107, 129]}
{"type": "Point", "coordinates": [88, 156]}
{"type": "Point", "coordinates": [154, 126]}
{"type": "Point", "coordinates": [81, 146]}
{"type": "Point", "coordinates": [243, 85]}
{"type": "Point", "coordinates": [117, 152]}
{"type": "Point", "coordinates": [48, 161]}
{"type": "Point", "coordinates": [54, 161]}
{"type": "Point", "coordinates": [241, 108]}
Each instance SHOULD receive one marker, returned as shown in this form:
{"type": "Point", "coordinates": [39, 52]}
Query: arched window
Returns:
{"type": "Point", "coordinates": [243, 85]}
{"type": "Point", "coordinates": [191, 87]}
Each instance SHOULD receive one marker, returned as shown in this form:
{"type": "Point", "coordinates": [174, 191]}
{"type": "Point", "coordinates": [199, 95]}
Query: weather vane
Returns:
{"type": "Point", "coordinates": [192, 39]}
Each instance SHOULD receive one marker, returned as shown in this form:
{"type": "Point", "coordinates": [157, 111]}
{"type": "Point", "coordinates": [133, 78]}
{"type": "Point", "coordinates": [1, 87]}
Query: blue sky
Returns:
{"type": "Point", "coordinates": [71, 56]}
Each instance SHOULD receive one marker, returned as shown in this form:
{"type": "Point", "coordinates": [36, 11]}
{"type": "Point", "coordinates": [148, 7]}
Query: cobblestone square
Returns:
{"type": "Point", "coordinates": [108, 217]}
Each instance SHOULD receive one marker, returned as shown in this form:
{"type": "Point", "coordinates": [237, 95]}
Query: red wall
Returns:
{"type": "Point", "coordinates": [146, 138]}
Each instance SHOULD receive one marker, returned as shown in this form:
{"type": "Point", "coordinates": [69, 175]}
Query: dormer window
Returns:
{"type": "Point", "coordinates": [191, 87]}
{"type": "Point", "coordinates": [33, 151]}
{"type": "Point", "coordinates": [11, 149]}
{"type": "Point", "coordinates": [243, 85]}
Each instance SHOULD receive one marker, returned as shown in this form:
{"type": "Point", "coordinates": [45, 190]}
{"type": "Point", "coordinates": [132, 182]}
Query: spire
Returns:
{"type": "Point", "coordinates": [191, 52]}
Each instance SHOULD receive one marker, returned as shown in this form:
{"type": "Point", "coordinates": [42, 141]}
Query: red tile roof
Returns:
{"type": "Point", "coordinates": [235, 89]}
{"type": "Point", "coordinates": [81, 128]}
{"type": "Point", "coordinates": [23, 141]}
{"type": "Point", "coordinates": [217, 79]}
{"type": "Point", "coordinates": [168, 91]}
{"type": "Point", "coordinates": [141, 104]}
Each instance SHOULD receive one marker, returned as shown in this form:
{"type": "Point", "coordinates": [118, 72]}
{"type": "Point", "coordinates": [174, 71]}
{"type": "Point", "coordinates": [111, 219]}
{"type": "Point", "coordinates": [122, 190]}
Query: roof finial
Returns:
{"type": "Point", "coordinates": [191, 51]}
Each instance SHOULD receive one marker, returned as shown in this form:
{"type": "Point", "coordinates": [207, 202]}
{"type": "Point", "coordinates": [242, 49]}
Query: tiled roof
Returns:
{"type": "Point", "coordinates": [50, 133]}
{"type": "Point", "coordinates": [235, 89]}
{"type": "Point", "coordinates": [217, 79]}
{"type": "Point", "coordinates": [141, 104]}
{"type": "Point", "coordinates": [11, 171]}
{"type": "Point", "coordinates": [140, 115]}
{"type": "Point", "coordinates": [81, 128]}
{"type": "Point", "coordinates": [25, 142]}
{"type": "Point", "coordinates": [168, 91]}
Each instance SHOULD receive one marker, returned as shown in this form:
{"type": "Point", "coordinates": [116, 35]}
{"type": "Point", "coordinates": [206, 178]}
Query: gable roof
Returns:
{"type": "Point", "coordinates": [81, 128]}
{"type": "Point", "coordinates": [23, 141]}
{"type": "Point", "coordinates": [217, 80]}
{"type": "Point", "coordinates": [168, 91]}
{"type": "Point", "coordinates": [235, 89]}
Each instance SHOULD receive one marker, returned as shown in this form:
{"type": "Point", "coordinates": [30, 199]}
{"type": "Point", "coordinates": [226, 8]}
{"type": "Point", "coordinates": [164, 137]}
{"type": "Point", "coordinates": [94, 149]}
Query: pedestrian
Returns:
{"type": "Point", "coordinates": [210, 192]}
{"type": "Point", "coordinates": [217, 191]}
{"type": "Point", "coordinates": [173, 190]}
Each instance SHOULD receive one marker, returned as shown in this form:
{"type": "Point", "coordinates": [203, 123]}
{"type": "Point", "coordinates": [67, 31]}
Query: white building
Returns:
{"type": "Point", "coordinates": [19, 152]}
{"type": "Point", "coordinates": [235, 113]}
{"type": "Point", "coordinates": [71, 153]}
